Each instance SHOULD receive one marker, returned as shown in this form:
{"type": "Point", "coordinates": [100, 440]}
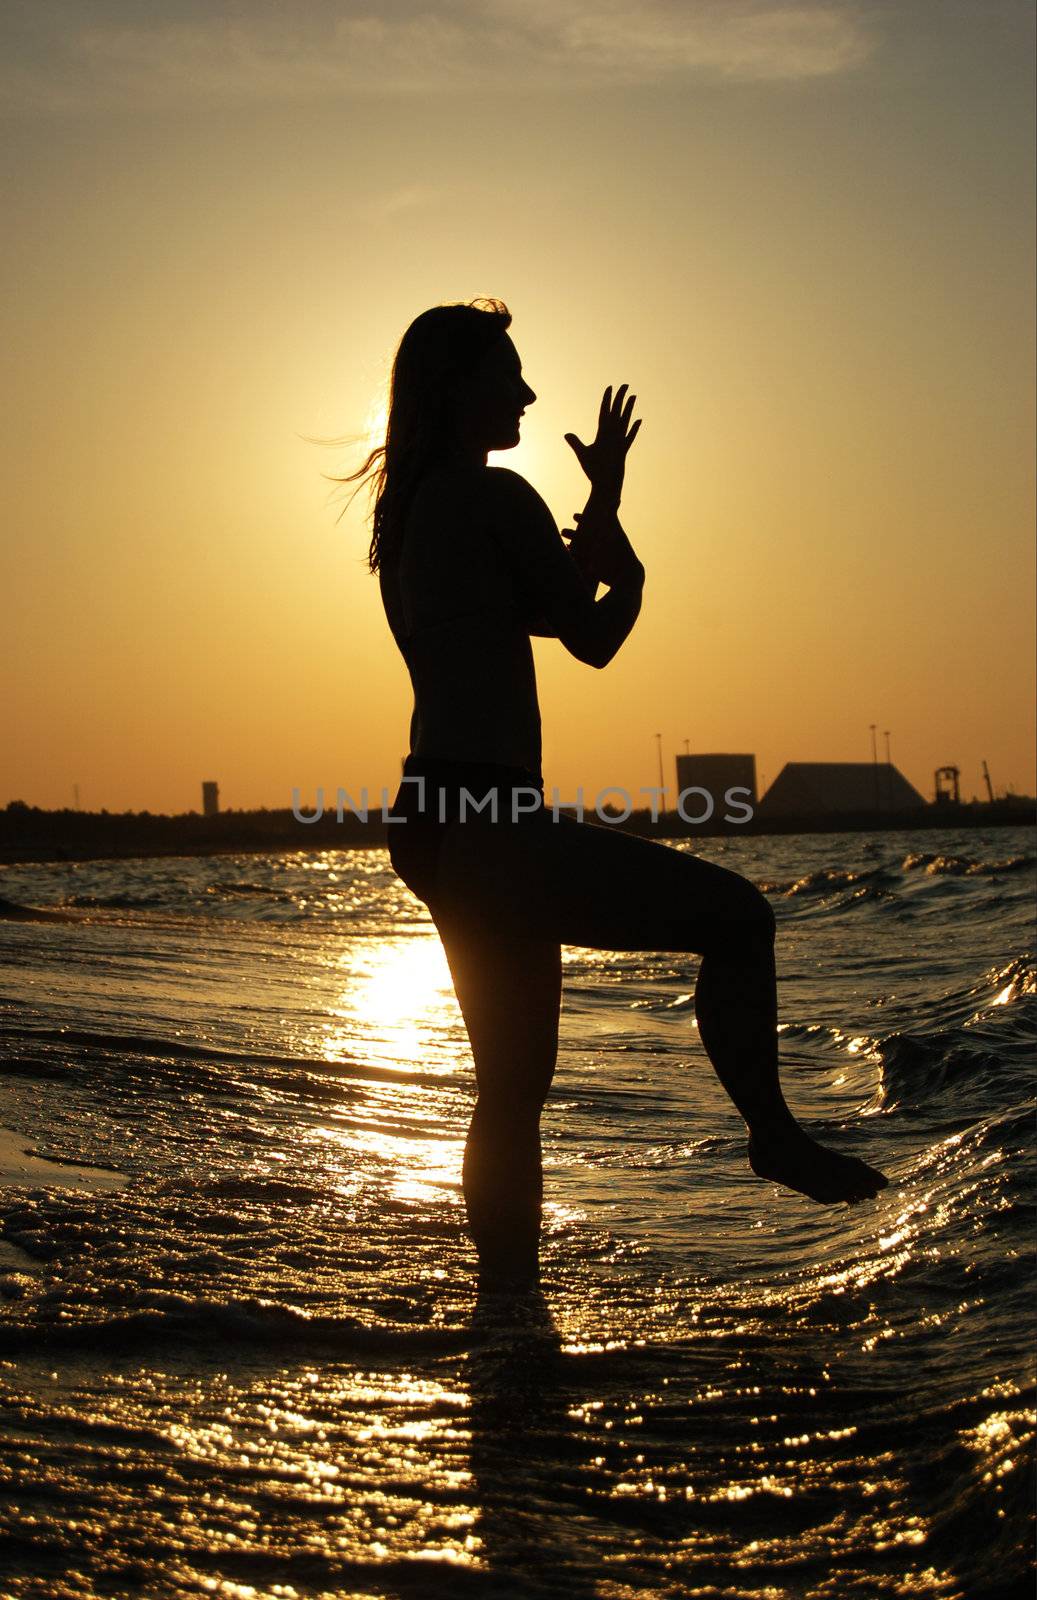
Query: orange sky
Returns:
{"type": "Point", "coordinates": [803, 234]}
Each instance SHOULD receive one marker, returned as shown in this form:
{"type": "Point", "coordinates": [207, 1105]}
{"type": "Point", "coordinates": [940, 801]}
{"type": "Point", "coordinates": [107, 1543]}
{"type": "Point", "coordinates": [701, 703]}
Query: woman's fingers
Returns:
{"type": "Point", "coordinates": [616, 408]}
{"type": "Point", "coordinates": [614, 417]}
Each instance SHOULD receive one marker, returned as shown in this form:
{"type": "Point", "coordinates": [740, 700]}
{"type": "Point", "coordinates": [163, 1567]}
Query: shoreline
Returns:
{"type": "Point", "coordinates": [21, 1168]}
{"type": "Point", "coordinates": [31, 837]}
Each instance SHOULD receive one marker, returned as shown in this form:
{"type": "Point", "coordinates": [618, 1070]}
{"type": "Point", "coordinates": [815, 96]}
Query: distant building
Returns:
{"type": "Point", "coordinates": [210, 799]}
{"type": "Point", "coordinates": [833, 788]}
{"type": "Point", "coordinates": [716, 774]}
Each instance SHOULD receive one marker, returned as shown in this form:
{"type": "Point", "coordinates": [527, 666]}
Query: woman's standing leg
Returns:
{"type": "Point", "coordinates": [509, 990]}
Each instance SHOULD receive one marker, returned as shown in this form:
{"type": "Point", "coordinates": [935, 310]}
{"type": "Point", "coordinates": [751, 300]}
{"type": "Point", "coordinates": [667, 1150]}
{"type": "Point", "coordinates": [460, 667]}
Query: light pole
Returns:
{"type": "Point", "coordinates": [662, 786]}
{"type": "Point", "coordinates": [889, 773]}
{"type": "Point", "coordinates": [875, 763]}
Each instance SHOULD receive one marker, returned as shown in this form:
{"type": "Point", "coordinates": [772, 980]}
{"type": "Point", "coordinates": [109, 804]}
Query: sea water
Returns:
{"type": "Point", "coordinates": [262, 1368]}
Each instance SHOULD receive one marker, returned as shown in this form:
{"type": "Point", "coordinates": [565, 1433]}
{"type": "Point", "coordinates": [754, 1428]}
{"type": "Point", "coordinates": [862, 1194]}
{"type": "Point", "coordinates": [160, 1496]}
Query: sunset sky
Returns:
{"type": "Point", "coordinates": [803, 233]}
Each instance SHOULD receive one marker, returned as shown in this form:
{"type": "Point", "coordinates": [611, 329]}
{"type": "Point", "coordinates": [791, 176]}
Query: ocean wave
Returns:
{"type": "Point", "coordinates": [885, 877]}
{"type": "Point", "coordinates": [916, 1069]}
{"type": "Point", "coordinates": [977, 1037]}
{"type": "Point", "coordinates": [14, 911]}
{"type": "Point", "coordinates": [134, 1047]}
{"type": "Point", "coordinates": [980, 1043]}
{"type": "Point", "coordinates": [827, 880]}
{"type": "Point", "coordinates": [262, 1190]}
{"type": "Point", "coordinates": [998, 994]}
{"type": "Point", "coordinates": [238, 1324]}
{"type": "Point", "coordinates": [116, 902]}
{"type": "Point", "coordinates": [933, 865]}
{"type": "Point", "coordinates": [221, 886]}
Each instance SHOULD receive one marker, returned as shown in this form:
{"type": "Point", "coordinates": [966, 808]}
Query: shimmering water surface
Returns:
{"type": "Point", "coordinates": [261, 1368]}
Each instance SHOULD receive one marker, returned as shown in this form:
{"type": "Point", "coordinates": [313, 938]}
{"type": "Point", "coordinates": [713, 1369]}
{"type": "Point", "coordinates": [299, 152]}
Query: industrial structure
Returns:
{"type": "Point", "coordinates": [717, 774]}
{"type": "Point", "coordinates": [947, 786]}
{"type": "Point", "coordinates": [833, 788]}
{"type": "Point", "coordinates": [210, 799]}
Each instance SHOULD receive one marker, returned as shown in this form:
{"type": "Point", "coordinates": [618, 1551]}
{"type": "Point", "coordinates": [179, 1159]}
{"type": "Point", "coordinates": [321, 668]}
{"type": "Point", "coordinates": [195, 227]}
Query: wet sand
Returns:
{"type": "Point", "coordinates": [11, 912]}
{"type": "Point", "coordinates": [22, 1168]}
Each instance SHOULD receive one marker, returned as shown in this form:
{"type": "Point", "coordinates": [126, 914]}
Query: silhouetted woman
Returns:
{"type": "Point", "coordinates": [471, 563]}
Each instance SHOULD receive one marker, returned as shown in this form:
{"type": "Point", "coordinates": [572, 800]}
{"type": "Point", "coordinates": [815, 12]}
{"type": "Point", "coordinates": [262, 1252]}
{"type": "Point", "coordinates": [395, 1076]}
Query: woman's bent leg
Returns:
{"type": "Point", "coordinates": [595, 886]}
{"type": "Point", "coordinates": [736, 1009]}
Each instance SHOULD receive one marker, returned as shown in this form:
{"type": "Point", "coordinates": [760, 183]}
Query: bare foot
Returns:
{"type": "Point", "coordinates": [790, 1156]}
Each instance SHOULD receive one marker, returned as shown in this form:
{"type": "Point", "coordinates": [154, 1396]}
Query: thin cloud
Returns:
{"type": "Point", "coordinates": [67, 59]}
{"type": "Point", "coordinates": [752, 39]}
{"type": "Point", "coordinates": [412, 197]}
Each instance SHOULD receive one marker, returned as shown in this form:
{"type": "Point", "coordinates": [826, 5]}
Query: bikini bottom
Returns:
{"type": "Point", "coordinates": [435, 794]}
{"type": "Point", "coordinates": [527, 871]}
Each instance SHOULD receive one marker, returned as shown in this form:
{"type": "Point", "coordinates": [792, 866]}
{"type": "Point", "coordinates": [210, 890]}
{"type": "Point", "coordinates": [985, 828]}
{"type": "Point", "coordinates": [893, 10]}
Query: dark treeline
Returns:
{"type": "Point", "coordinates": [28, 833]}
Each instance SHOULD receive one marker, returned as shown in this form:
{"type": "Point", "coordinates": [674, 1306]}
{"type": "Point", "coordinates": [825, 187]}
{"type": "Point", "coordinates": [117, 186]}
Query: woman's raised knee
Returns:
{"type": "Point", "coordinates": [763, 919]}
{"type": "Point", "coordinates": [745, 921]}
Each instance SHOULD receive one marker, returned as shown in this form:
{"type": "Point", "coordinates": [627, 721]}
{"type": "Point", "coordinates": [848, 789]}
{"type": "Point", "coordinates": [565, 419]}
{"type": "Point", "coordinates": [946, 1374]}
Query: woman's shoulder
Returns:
{"type": "Point", "coordinates": [514, 503]}
{"type": "Point", "coordinates": [505, 483]}
{"type": "Point", "coordinates": [446, 485]}
{"type": "Point", "coordinates": [456, 477]}
{"type": "Point", "coordinates": [499, 491]}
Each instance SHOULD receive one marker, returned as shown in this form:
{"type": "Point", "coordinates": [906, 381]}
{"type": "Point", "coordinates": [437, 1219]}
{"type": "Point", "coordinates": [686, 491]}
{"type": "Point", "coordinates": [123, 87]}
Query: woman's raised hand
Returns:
{"type": "Point", "coordinates": [604, 461]}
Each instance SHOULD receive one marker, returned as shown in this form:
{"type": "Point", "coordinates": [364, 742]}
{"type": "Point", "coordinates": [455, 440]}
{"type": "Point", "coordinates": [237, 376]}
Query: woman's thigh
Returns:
{"type": "Point", "coordinates": [581, 884]}
{"type": "Point", "coordinates": [509, 988]}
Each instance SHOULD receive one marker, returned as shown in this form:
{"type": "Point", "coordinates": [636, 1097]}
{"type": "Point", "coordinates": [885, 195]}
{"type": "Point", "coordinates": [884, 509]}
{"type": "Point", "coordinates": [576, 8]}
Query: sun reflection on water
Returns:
{"type": "Point", "coordinates": [362, 1466]}
{"type": "Point", "coordinates": [396, 1008]}
{"type": "Point", "coordinates": [396, 1013]}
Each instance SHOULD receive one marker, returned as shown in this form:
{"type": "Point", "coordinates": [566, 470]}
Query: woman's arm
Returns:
{"type": "Point", "coordinates": [584, 559]}
{"type": "Point", "coordinates": [562, 594]}
{"type": "Point", "coordinates": [599, 545]}
{"type": "Point", "coordinates": [594, 545]}
{"type": "Point", "coordinates": [526, 533]}
{"type": "Point", "coordinates": [581, 545]}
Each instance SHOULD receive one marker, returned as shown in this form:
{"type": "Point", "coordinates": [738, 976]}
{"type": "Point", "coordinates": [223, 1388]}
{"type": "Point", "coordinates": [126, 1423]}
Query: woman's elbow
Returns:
{"type": "Point", "coordinates": [594, 646]}
{"type": "Point", "coordinates": [593, 655]}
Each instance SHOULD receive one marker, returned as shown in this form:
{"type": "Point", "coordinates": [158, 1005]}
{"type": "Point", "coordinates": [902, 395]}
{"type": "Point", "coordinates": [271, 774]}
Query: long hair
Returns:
{"type": "Point", "coordinates": [440, 347]}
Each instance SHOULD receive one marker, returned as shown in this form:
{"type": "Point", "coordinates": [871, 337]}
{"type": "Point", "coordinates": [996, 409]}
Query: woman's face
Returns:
{"type": "Point", "coordinates": [495, 398]}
